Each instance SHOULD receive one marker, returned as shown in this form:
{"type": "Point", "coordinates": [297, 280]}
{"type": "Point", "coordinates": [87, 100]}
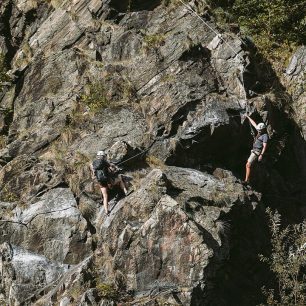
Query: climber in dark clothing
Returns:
{"type": "Point", "coordinates": [259, 147]}
{"type": "Point", "coordinates": [104, 172]}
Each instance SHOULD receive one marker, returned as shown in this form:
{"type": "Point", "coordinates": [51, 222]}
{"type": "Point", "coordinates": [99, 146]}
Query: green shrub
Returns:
{"type": "Point", "coordinates": [107, 291]}
{"type": "Point", "coordinates": [281, 20]}
{"type": "Point", "coordinates": [276, 26]}
{"type": "Point", "coordinates": [287, 261]}
{"type": "Point", "coordinates": [7, 195]}
{"type": "Point", "coordinates": [96, 97]}
{"type": "Point", "coordinates": [127, 90]}
{"type": "Point", "coordinates": [154, 41]}
{"type": "Point", "coordinates": [75, 292]}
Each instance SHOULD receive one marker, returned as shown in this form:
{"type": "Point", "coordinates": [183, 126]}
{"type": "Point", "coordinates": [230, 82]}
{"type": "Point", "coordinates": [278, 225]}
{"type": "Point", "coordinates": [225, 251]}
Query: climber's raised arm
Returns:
{"type": "Point", "coordinates": [252, 122]}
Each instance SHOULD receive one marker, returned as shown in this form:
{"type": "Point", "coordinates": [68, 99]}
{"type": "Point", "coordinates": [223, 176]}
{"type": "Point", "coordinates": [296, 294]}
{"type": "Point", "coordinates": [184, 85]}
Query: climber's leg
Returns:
{"type": "Point", "coordinates": [105, 198]}
{"type": "Point", "coordinates": [253, 157]}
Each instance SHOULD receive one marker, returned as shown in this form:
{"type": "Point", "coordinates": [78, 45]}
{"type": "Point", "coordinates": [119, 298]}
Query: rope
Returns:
{"type": "Point", "coordinates": [242, 81]}
{"type": "Point", "coordinates": [146, 150]}
{"type": "Point", "coordinates": [238, 55]}
{"type": "Point", "coordinates": [212, 29]}
{"type": "Point", "coordinates": [132, 157]}
{"type": "Point", "coordinates": [219, 35]}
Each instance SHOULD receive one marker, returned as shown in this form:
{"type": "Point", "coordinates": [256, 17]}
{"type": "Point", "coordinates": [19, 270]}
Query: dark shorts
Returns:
{"type": "Point", "coordinates": [112, 179]}
{"type": "Point", "coordinates": [104, 183]}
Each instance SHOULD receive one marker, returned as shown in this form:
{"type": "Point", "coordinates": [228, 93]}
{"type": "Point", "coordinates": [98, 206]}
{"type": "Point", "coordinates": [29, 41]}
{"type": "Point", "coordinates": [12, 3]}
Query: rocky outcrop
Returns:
{"type": "Point", "coordinates": [52, 227]}
{"type": "Point", "coordinates": [296, 79]}
{"type": "Point", "coordinates": [24, 274]}
{"type": "Point", "coordinates": [295, 82]}
{"type": "Point", "coordinates": [131, 65]}
{"type": "Point", "coordinates": [152, 85]}
{"type": "Point", "coordinates": [174, 235]}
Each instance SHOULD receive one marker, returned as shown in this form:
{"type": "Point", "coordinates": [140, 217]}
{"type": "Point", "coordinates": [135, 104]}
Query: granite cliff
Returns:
{"type": "Point", "coordinates": [130, 77]}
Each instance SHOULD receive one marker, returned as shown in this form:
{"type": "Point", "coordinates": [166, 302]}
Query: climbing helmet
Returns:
{"type": "Point", "coordinates": [260, 126]}
{"type": "Point", "coordinates": [101, 153]}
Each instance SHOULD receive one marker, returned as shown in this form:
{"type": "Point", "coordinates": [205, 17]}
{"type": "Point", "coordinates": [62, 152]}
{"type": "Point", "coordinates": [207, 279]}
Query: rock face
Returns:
{"type": "Point", "coordinates": [23, 273]}
{"type": "Point", "coordinates": [150, 84]}
{"type": "Point", "coordinates": [53, 226]}
{"type": "Point", "coordinates": [172, 233]}
{"type": "Point", "coordinates": [154, 244]}
{"type": "Point", "coordinates": [296, 80]}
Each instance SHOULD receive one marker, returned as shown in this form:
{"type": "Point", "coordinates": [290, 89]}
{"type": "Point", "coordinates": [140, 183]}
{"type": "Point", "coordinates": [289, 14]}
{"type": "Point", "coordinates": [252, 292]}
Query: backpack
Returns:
{"type": "Point", "coordinates": [100, 168]}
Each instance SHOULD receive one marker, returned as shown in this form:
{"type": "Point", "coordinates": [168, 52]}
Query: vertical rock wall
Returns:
{"type": "Point", "coordinates": [130, 77]}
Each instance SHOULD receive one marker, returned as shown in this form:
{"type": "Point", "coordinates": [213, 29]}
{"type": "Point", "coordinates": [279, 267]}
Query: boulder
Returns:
{"type": "Point", "coordinates": [172, 233]}
{"type": "Point", "coordinates": [53, 227]}
{"type": "Point", "coordinates": [25, 274]}
{"type": "Point", "coordinates": [121, 151]}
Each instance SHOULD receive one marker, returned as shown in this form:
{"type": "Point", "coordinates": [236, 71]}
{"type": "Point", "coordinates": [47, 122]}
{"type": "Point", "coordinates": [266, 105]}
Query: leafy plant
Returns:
{"type": "Point", "coordinates": [95, 97]}
{"type": "Point", "coordinates": [107, 291]}
{"type": "Point", "coordinates": [287, 261]}
{"type": "Point", "coordinates": [171, 2]}
{"type": "Point", "coordinates": [128, 91]}
{"type": "Point", "coordinates": [7, 195]}
{"type": "Point", "coordinates": [280, 20]}
{"type": "Point", "coordinates": [154, 41]}
{"type": "Point", "coordinates": [276, 26]}
{"type": "Point", "coordinates": [75, 292]}
{"type": "Point", "coordinates": [167, 78]}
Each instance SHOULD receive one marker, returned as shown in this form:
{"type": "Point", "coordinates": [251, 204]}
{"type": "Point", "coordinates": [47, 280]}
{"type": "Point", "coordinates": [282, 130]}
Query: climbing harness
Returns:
{"type": "Point", "coordinates": [242, 81]}
{"type": "Point", "coordinates": [219, 35]}
{"type": "Point", "coordinates": [124, 161]}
